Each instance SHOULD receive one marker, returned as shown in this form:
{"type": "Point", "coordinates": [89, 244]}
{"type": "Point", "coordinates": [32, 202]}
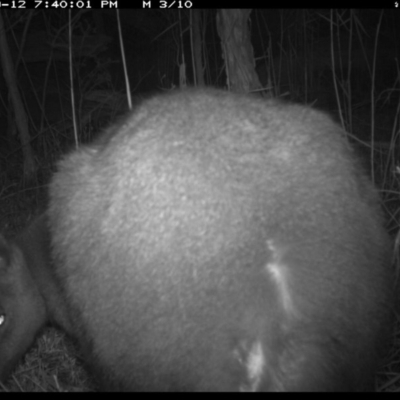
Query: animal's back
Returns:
{"type": "Point", "coordinates": [213, 241]}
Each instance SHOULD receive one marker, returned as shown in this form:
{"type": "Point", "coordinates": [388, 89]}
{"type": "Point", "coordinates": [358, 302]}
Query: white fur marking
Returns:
{"type": "Point", "coordinates": [279, 273]}
{"type": "Point", "coordinates": [255, 364]}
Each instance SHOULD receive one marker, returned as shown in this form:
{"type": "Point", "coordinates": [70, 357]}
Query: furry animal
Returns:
{"type": "Point", "coordinates": [213, 241]}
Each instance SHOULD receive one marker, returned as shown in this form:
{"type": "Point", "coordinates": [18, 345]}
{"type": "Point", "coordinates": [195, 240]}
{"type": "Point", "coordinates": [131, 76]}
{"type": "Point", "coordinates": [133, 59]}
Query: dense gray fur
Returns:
{"type": "Point", "coordinates": [213, 241]}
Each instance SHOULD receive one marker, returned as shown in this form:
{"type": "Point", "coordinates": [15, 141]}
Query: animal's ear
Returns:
{"type": "Point", "coordinates": [22, 307]}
